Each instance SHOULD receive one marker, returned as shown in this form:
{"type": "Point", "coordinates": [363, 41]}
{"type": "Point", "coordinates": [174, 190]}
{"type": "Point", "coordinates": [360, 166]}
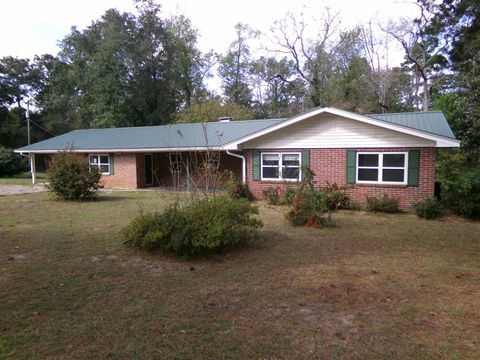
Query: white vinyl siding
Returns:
{"type": "Point", "coordinates": [101, 162]}
{"type": "Point", "coordinates": [382, 168]}
{"type": "Point", "coordinates": [335, 132]}
{"type": "Point", "coordinates": [281, 166]}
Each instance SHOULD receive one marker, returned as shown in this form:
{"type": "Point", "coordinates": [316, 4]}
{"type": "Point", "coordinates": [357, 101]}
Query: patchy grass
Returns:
{"type": "Point", "coordinates": [23, 179]}
{"type": "Point", "coordinates": [378, 286]}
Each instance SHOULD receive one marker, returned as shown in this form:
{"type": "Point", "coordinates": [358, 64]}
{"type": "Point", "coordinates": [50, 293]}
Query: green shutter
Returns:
{"type": "Point", "coordinates": [413, 167]}
{"type": "Point", "coordinates": [351, 166]}
{"type": "Point", "coordinates": [112, 164]}
{"type": "Point", "coordinates": [305, 161]}
{"type": "Point", "coordinates": [256, 164]}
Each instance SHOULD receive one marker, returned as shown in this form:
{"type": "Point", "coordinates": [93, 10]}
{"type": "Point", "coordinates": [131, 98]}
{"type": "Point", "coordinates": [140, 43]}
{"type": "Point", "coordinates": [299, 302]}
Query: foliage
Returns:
{"type": "Point", "coordinates": [271, 195]}
{"type": "Point", "coordinates": [334, 197]}
{"type": "Point", "coordinates": [289, 195]}
{"type": "Point", "coordinates": [11, 163]}
{"type": "Point", "coordinates": [207, 225]}
{"type": "Point", "coordinates": [383, 203]}
{"type": "Point", "coordinates": [210, 109]}
{"type": "Point", "coordinates": [235, 188]}
{"type": "Point", "coordinates": [70, 177]}
{"type": "Point", "coordinates": [428, 208]}
{"type": "Point", "coordinates": [461, 191]}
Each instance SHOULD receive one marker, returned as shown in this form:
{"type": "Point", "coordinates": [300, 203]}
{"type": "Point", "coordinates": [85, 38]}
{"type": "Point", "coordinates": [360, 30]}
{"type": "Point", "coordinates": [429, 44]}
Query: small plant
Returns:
{"type": "Point", "coordinates": [210, 224]}
{"type": "Point", "coordinates": [384, 203]}
{"type": "Point", "coordinates": [428, 208]}
{"type": "Point", "coordinates": [70, 177]}
{"type": "Point", "coordinates": [288, 196]}
{"type": "Point", "coordinates": [235, 188]}
{"type": "Point", "coordinates": [334, 197]}
{"type": "Point", "coordinates": [271, 195]}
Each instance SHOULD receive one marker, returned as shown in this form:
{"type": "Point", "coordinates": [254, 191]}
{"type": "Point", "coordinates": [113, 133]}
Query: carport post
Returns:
{"type": "Point", "coordinates": [32, 167]}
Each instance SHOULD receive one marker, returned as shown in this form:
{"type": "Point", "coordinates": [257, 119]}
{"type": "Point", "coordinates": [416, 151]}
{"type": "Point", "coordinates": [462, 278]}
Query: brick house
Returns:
{"type": "Point", "coordinates": [392, 154]}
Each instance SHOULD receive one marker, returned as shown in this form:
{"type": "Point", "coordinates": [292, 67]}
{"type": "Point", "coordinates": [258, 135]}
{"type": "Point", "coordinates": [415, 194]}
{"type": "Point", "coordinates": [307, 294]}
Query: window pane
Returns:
{"type": "Point", "coordinates": [270, 173]}
{"type": "Point", "coordinates": [393, 175]}
{"type": "Point", "coordinates": [368, 160]}
{"type": "Point", "coordinates": [93, 159]}
{"type": "Point", "coordinates": [104, 168]}
{"type": "Point", "coordinates": [291, 160]}
{"type": "Point", "coordinates": [270, 159]}
{"type": "Point", "coordinates": [368, 174]}
{"type": "Point", "coordinates": [394, 160]}
{"type": "Point", "coordinates": [104, 159]}
{"type": "Point", "coordinates": [291, 173]}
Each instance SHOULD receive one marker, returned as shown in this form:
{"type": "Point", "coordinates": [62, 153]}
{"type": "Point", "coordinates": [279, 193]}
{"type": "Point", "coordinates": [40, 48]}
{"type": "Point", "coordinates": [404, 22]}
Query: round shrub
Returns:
{"type": "Point", "coordinates": [384, 203]}
{"type": "Point", "coordinates": [210, 224]}
{"type": "Point", "coordinates": [70, 177]}
{"type": "Point", "coordinates": [235, 188]}
{"type": "Point", "coordinates": [428, 208]}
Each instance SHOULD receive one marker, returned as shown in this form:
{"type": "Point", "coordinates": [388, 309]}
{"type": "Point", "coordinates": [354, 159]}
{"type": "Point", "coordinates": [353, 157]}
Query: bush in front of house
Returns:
{"type": "Point", "coordinates": [207, 225]}
{"type": "Point", "coordinates": [235, 188]}
{"type": "Point", "coordinates": [334, 197]}
{"type": "Point", "coordinates": [428, 208]}
{"type": "Point", "coordinates": [385, 203]}
{"type": "Point", "coordinates": [461, 192]}
{"type": "Point", "coordinates": [11, 163]}
{"type": "Point", "coordinates": [271, 195]}
{"type": "Point", "coordinates": [70, 177]}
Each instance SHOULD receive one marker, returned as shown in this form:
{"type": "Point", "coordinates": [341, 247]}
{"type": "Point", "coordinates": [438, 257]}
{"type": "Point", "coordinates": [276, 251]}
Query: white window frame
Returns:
{"type": "Point", "coordinates": [98, 164]}
{"type": "Point", "coordinates": [280, 166]}
{"type": "Point", "coordinates": [380, 168]}
{"type": "Point", "coordinates": [175, 166]}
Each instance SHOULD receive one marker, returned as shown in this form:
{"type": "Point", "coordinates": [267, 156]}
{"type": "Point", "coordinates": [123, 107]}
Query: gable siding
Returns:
{"type": "Point", "coordinates": [335, 132]}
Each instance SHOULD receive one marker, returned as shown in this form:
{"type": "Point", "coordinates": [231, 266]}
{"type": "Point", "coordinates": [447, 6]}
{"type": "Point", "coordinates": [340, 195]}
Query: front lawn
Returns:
{"type": "Point", "coordinates": [377, 286]}
{"type": "Point", "coordinates": [23, 179]}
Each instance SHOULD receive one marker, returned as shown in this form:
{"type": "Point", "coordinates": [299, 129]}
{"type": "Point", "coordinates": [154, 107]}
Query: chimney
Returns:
{"type": "Point", "coordinates": [225, 119]}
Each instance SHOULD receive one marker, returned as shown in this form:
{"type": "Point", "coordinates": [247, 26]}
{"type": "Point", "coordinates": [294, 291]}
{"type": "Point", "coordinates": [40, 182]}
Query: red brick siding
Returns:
{"type": "Point", "coordinates": [329, 165]}
{"type": "Point", "coordinates": [124, 174]}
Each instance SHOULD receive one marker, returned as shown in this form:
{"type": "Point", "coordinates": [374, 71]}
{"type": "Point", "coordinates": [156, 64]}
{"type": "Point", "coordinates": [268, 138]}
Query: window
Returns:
{"type": "Point", "coordinates": [386, 168]}
{"type": "Point", "coordinates": [175, 162]}
{"type": "Point", "coordinates": [100, 162]}
{"type": "Point", "coordinates": [281, 166]}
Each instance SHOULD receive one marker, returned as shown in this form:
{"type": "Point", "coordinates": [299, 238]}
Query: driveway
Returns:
{"type": "Point", "coordinates": [21, 189]}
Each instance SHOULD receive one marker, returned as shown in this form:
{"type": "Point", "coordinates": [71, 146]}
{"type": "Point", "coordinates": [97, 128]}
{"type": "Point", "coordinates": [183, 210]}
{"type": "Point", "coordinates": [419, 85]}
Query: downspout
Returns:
{"type": "Point", "coordinates": [244, 165]}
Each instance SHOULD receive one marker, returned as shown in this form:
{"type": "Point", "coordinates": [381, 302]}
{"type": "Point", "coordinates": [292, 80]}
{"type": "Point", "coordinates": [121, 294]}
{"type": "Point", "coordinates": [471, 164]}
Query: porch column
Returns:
{"type": "Point", "coordinates": [32, 168]}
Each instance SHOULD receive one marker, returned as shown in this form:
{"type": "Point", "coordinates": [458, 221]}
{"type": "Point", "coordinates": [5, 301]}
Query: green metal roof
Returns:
{"type": "Point", "coordinates": [180, 136]}
{"type": "Point", "coordinates": [432, 122]}
{"type": "Point", "coordinates": [212, 134]}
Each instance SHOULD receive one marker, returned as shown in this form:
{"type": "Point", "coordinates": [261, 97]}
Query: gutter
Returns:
{"type": "Point", "coordinates": [244, 164]}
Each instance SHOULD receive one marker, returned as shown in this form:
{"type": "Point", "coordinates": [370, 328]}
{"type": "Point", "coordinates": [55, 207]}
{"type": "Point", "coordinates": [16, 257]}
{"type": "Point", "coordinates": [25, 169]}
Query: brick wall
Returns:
{"type": "Point", "coordinates": [329, 165]}
{"type": "Point", "coordinates": [125, 172]}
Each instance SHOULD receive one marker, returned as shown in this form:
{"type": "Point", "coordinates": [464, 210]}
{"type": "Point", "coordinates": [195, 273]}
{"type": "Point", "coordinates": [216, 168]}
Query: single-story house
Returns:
{"type": "Point", "coordinates": [372, 155]}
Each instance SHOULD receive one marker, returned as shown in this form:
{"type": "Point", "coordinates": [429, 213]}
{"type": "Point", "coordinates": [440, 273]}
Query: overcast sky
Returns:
{"type": "Point", "coordinates": [32, 27]}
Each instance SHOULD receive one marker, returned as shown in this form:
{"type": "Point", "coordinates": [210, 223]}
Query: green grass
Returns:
{"type": "Point", "coordinates": [378, 286]}
{"type": "Point", "coordinates": [23, 179]}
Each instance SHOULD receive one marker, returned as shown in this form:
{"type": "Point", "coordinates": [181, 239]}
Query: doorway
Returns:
{"type": "Point", "coordinates": [148, 169]}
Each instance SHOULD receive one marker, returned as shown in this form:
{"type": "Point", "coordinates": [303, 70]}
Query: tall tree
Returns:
{"type": "Point", "coordinates": [236, 66]}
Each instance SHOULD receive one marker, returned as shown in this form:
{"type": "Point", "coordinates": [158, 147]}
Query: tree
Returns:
{"type": "Point", "coordinates": [236, 67]}
{"type": "Point", "coordinates": [311, 57]}
{"type": "Point", "coordinates": [210, 109]}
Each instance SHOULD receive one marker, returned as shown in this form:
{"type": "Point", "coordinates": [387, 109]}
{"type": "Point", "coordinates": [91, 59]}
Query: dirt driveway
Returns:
{"type": "Point", "coordinates": [21, 189]}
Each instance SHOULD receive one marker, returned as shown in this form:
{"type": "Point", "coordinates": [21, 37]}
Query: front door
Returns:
{"type": "Point", "coordinates": [148, 169]}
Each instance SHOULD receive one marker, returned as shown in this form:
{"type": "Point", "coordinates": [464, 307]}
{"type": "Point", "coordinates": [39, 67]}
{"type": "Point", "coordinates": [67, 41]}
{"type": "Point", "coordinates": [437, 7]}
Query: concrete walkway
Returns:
{"type": "Point", "coordinates": [21, 189]}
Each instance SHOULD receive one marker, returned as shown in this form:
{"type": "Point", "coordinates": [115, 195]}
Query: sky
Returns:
{"type": "Point", "coordinates": [34, 27]}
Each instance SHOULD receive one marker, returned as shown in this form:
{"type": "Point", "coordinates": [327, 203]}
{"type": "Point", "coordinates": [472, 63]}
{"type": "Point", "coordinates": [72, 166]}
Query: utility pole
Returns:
{"type": "Point", "coordinates": [28, 120]}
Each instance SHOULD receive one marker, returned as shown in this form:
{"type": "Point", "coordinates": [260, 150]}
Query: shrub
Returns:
{"type": "Point", "coordinates": [235, 188]}
{"type": "Point", "coordinates": [307, 210]}
{"type": "Point", "coordinates": [11, 163]}
{"type": "Point", "coordinates": [384, 203]}
{"type": "Point", "coordinates": [271, 195]}
{"type": "Point", "coordinates": [428, 208]}
{"type": "Point", "coordinates": [70, 177]}
{"type": "Point", "coordinates": [461, 192]}
{"type": "Point", "coordinates": [288, 196]}
{"type": "Point", "coordinates": [207, 225]}
{"type": "Point", "coordinates": [334, 197]}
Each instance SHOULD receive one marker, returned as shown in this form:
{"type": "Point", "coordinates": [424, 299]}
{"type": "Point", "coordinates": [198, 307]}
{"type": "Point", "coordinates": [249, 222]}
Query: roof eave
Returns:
{"type": "Point", "coordinates": [138, 150]}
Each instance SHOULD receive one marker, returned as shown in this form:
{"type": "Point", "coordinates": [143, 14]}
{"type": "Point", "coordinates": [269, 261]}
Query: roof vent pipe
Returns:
{"type": "Point", "coordinates": [225, 119]}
